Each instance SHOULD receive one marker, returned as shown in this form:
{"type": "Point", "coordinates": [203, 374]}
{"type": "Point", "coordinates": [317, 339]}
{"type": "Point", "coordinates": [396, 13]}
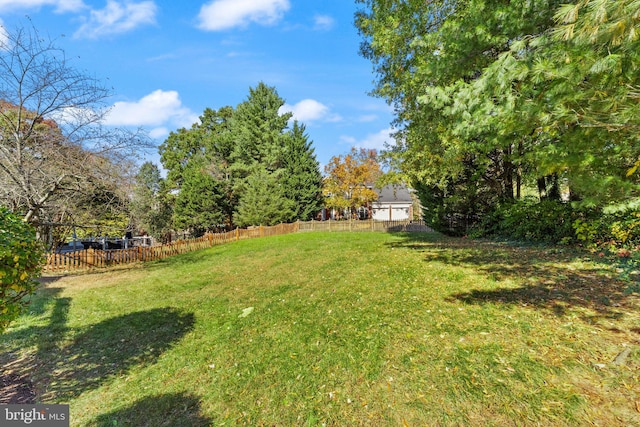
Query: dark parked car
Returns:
{"type": "Point", "coordinates": [70, 247]}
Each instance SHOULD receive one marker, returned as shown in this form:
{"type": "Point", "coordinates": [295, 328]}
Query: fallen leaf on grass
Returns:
{"type": "Point", "coordinates": [247, 311]}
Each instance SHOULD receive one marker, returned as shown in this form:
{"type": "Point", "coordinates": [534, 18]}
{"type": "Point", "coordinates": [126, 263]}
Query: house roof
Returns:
{"type": "Point", "coordinates": [394, 194]}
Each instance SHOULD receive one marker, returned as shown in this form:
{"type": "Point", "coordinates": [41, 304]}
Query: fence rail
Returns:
{"type": "Point", "coordinates": [92, 259]}
{"type": "Point", "coordinates": [365, 225]}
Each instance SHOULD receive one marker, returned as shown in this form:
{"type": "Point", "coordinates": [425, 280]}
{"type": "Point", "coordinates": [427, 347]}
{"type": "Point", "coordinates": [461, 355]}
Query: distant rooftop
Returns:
{"type": "Point", "coordinates": [394, 193]}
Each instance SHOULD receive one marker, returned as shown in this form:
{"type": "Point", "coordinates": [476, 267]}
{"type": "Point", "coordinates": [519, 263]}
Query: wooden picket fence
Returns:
{"type": "Point", "coordinates": [96, 259]}
{"type": "Point", "coordinates": [365, 225]}
{"type": "Point", "coordinates": [91, 258]}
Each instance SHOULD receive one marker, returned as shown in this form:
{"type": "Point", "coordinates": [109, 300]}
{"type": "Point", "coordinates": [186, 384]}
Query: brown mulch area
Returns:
{"type": "Point", "coordinates": [15, 386]}
{"type": "Point", "coordinates": [16, 389]}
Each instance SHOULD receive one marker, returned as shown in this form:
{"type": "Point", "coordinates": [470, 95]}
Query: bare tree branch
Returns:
{"type": "Point", "coordinates": [53, 144]}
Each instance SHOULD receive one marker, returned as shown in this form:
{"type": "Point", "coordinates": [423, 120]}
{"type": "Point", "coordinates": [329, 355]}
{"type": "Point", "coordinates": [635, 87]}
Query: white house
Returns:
{"type": "Point", "coordinates": [394, 204]}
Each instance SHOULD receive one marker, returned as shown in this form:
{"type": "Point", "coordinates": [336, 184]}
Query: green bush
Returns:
{"type": "Point", "coordinates": [545, 221]}
{"type": "Point", "coordinates": [20, 263]}
{"type": "Point", "coordinates": [609, 230]}
{"type": "Point", "coordinates": [557, 222]}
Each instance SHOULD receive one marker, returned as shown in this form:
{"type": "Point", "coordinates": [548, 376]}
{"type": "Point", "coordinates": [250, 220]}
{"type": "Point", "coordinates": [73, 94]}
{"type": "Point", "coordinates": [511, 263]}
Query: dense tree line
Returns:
{"type": "Point", "coordinates": [497, 101]}
{"type": "Point", "coordinates": [242, 166]}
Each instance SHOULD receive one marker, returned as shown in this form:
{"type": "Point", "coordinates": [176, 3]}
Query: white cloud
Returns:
{"type": "Point", "coordinates": [160, 110]}
{"type": "Point", "coordinates": [309, 110]}
{"type": "Point", "coordinates": [59, 5]}
{"type": "Point", "coordinates": [75, 115]}
{"type": "Point", "coordinates": [117, 18]}
{"type": "Point", "coordinates": [69, 5]}
{"type": "Point", "coordinates": [4, 36]}
{"type": "Point", "coordinates": [225, 14]}
{"type": "Point", "coordinates": [306, 110]}
{"type": "Point", "coordinates": [376, 141]}
{"type": "Point", "coordinates": [323, 22]}
{"type": "Point", "coordinates": [159, 133]}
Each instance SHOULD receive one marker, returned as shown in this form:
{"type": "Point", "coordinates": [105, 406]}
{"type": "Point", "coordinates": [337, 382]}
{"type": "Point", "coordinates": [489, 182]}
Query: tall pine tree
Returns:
{"type": "Point", "coordinates": [258, 132]}
{"type": "Point", "coordinates": [300, 178]}
{"type": "Point", "coordinates": [201, 204]}
{"type": "Point", "coordinates": [263, 201]}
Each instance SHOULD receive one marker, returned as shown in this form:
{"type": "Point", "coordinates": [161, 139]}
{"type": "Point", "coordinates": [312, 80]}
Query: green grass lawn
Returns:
{"type": "Point", "coordinates": [338, 329]}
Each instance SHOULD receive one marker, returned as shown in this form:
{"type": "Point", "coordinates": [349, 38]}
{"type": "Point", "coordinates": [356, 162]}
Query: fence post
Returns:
{"type": "Point", "coordinates": [91, 252]}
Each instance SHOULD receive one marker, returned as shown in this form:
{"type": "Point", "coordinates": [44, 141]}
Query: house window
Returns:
{"type": "Point", "coordinates": [362, 213]}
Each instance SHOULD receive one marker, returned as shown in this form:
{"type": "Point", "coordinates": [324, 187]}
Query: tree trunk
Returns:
{"type": "Point", "coordinates": [554, 190]}
{"type": "Point", "coordinates": [542, 187]}
{"type": "Point", "coordinates": [519, 171]}
{"type": "Point", "coordinates": [508, 174]}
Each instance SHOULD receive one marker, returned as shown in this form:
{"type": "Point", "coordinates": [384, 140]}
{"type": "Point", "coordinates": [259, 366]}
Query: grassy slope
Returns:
{"type": "Point", "coordinates": [346, 329]}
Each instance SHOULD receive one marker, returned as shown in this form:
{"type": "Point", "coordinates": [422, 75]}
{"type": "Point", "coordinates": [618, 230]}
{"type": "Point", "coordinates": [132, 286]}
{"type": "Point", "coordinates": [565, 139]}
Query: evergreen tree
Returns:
{"type": "Point", "coordinates": [424, 53]}
{"type": "Point", "coordinates": [301, 178]}
{"type": "Point", "coordinates": [201, 204]}
{"type": "Point", "coordinates": [177, 151]}
{"type": "Point", "coordinates": [258, 132]}
{"type": "Point", "coordinates": [209, 139]}
{"type": "Point", "coordinates": [264, 201]}
{"type": "Point", "coordinates": [493, 97]}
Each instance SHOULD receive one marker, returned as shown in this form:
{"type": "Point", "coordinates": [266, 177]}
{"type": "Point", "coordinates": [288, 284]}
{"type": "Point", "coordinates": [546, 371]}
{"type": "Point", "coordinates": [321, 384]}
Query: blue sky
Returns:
{"type": "Point", "coordinates": [168, 60]}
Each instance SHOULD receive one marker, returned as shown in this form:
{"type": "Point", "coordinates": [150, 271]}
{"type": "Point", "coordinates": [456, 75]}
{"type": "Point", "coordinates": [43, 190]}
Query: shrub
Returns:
{"type": "Point", "coordinates": [609, 230]}
{"type": "Point", "coordinates": [528, 219]}
{"type": "Point", "coordinates": [20, 263]}
{"type": "Point", "coordinates": [545, 221]}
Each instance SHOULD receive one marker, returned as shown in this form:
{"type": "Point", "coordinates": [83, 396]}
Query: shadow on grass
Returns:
{"type": "Point", "coordinates": [47, 280]}
{"type": "Point", "coordinates": [16, 369]}
{"type": "Point", "coordinates": [69, 361]}
{"type": "Point", "coordinates": [546, 276]}
{"type": "Point", "coordinates": [106, 349]}
{"type": "Point", "coordinates": [164, 410]}
{"type": "Point", "coordinates": [45, 295]}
